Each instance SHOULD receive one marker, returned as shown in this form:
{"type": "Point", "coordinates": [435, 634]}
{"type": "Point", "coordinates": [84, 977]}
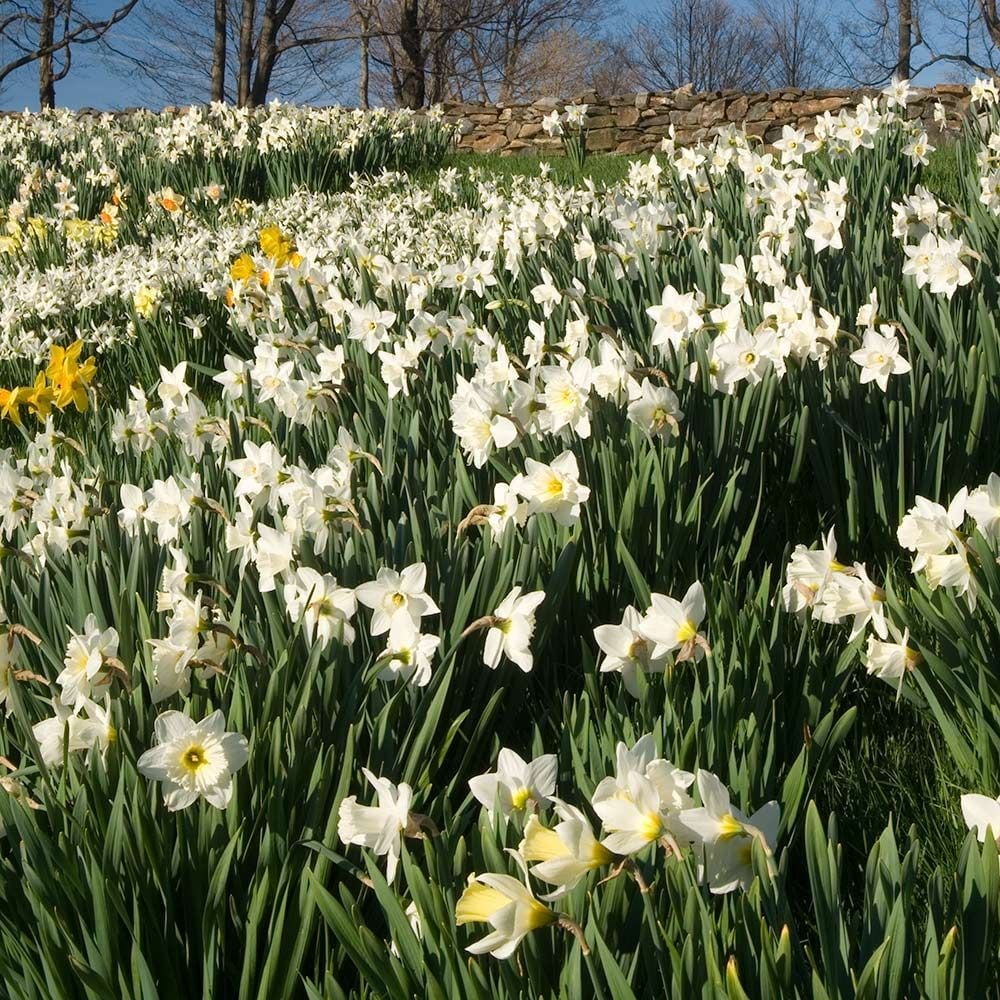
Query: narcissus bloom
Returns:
{"type": "Point", "coordinates": [408, 657]}
{"type": "Point", "coordinates": [983, 506]}
{"type": "Point", "coordinates": [516, 783]}
{"type": "Point", "coordinates": [553, 489]}
{"type": "Point", "coordinates": [68, 377]}
{"type": "Point", "coordinates": [808, 572]}
{"type": "Point", "coordinates": [323, 606]}
{"type": "Point", "coordinates": [674, 319]}
{"type": "Point", "coordinates": [982, 814]}
{"type": "Point", "coordinates": [83, 664]}
{"type": "Point", "coordinates": [627, 651]}
{"type": "Point", "coordinates": [566, 853]}
{"type": "Point", "coordinates": [397, 598]}
{"type": "Point", "coordinates": [891, 661]}
{"type": "Point", "coordinates": [879, 358]}
{"type": "Point", "coordinates": [673, 625]}
{"type": "Point", "coordinates": [507, 906]}
{"type": "Point", "coordinates": [511, 629]}
{"type": "Point", "coordinates": [634, 820]}
{"type": "Point", "coordinates": [724, 835]}
{"type": "Point", "coordinates": [380, 828]}
{"type": "Point", "coordinates": [70, 731]}
{"type": "Point", "coordinates": [194, 759]}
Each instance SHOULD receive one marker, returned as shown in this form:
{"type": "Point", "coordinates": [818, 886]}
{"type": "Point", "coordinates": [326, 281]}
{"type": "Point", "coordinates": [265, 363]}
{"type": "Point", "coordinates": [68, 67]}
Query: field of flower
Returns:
{"type": "Point", "coordinates": [456, 583]}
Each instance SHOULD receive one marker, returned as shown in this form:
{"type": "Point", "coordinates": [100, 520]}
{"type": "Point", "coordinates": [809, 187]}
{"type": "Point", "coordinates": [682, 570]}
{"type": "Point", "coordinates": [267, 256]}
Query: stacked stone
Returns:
{"type": "Point", "coordinates": [636, 123]}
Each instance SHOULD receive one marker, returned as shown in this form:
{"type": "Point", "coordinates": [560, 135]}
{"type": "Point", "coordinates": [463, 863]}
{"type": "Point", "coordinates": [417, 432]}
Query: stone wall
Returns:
{"type": "Point", "coordinates": [636, 123]}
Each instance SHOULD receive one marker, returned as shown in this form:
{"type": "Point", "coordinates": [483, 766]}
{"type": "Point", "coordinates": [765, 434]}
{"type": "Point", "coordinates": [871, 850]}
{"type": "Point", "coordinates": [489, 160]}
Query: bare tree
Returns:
{"type": "Point", "coordinates": [564, 62]}
{"type": "Point", "coordinates": [428, 50]}
{"type": "Point", "coordinates": [887, 38]}
{"type": "Point", "coordinates": [523, 28]}
{"type": "Point", "coordinates": [797, 36]}
{"type": "Point", "coordinates": [415, 46]}
{"type": "Point", "coordinates": [240, 50]}
{"type": "Point", "coordinates": [706, 44]}
{"type": "Point", "coordinates": [46, 31]}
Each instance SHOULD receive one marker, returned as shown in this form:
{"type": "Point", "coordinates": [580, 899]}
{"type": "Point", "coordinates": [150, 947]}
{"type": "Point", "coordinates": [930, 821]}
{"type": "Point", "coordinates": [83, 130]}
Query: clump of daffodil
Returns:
{"type": "Point", "coordinates": [278, 246]}
{"type": "Point", "coordinates": [65, 381]}
{"type": "Point", "coordinates": [68, 378]}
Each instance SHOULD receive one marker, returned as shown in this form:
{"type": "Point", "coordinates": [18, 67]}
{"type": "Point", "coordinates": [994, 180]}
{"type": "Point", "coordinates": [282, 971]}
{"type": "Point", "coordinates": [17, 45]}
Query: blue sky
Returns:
{"type": "Point", "coordinates": [97, 81]}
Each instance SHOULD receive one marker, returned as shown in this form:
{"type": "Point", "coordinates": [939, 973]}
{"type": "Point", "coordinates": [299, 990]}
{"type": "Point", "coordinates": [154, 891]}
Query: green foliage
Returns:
{"type": "Point", "coordinates": [106, 894]}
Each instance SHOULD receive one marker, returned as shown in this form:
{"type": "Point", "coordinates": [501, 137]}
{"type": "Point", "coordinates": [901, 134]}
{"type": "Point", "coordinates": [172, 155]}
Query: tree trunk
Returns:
{"type": "Point", "coordinates": [411, 84]}
{"type": "Point", "coordinates": [991, 19]}
{"type": "Point", "coordinates": [219, 52]}
{"type": "Point", "coordinates": [905, 39]}
{"type": "Point", "coordinates": [363, 97]}
{"type": "Point", "coordinates": [245, 59]}
{"type": "Point", "coordinates": [46, 36]}
{"type": "Point", "coordinates": [267, 52]}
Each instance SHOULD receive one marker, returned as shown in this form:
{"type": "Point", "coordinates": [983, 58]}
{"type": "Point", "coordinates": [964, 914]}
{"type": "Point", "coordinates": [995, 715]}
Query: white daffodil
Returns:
{"type": "Point", "coordinates": [641, 802]}
{"type": "Point", "coordinates": [508, 906]}
{"type": "Point", "coordinates": [929, 529]}
{"type": "Point", "coordinates": [511, 629]}
{"type": "Point", "coordinates": [194, 759]}
{"type": "Point", "coordinates": [553, 489]}
{"type": "Point", "coordinates": [854, 596]}
{"type": "Point", "coordinates": [982, 814]}
{"type": "Point", "coordinates": [397, 597]}
{"type": "Point", "coordinates": [671, 624]}
{"type": "Point", "coordinates": [674, 319]}
{"type": "Point", "coordinates": [408, 656]}
{"type": "Point", "coordinates": [627, 651]}
{"type": "Point", "coordinates": [878, 358]}
{"type": "Point", "coordinates": [73, 731]}
{"type": "Point", "coordinates": [655, 410]}
{"type": "Point", "coordinates": [506, 510]}
{"type": "Point", "coordinates": [983, 506]}
{"type": "Point", "coordinates": [516, 783]}
{"type": "Point", "coordinates": [808, 572]}
{"type": "Point", "coordinates": [564, 854]}
{"type": "Point", "coordinates": [380, 828]}
{"type": "Point", "coordinates": [322, 605]}
{"type": "Point", "coordinates": [627, 760]}
{"type": "Point", "coordinates": [724, 836]}
{"type": "Point", "coordinates": [891, 661]}
{"type": "Point", "coordinates": [83, 665]}
{"type": "Point", "coordinates": [634, 820]}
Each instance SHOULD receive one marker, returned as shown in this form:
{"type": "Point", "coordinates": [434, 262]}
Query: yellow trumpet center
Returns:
{"type": "Point", "coordinates": [519, 798]}
{"type": "Point", "coordinates": [194, 758]}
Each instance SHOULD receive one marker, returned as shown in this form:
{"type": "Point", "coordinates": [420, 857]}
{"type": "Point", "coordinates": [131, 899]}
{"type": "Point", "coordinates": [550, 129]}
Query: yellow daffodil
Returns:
{"type": "Point", "coordinates": [68, 378]}
{"type": "Point", "coordinates": [276, 245]}
{"type": "Point", "coordinates": [243, 268]}
{"type": "Point", "coordinates": [40, 397]}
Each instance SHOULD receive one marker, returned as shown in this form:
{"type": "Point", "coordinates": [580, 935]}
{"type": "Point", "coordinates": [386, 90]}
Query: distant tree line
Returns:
{"type": "Point", "coordinates": [413, 53]}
